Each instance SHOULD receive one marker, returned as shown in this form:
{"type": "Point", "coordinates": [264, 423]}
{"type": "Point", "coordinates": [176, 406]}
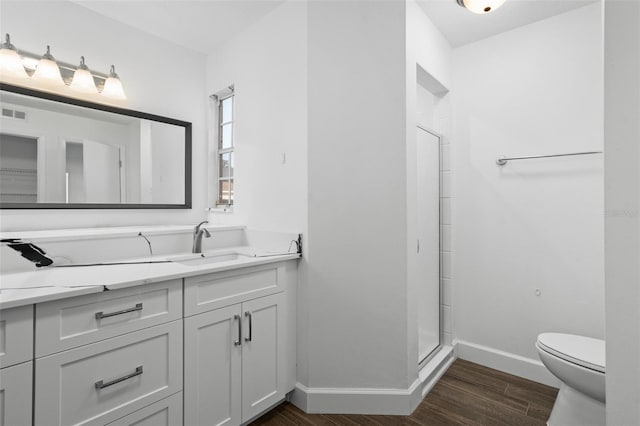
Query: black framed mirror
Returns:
{"type": "Point", "coordinates": [64, 153]}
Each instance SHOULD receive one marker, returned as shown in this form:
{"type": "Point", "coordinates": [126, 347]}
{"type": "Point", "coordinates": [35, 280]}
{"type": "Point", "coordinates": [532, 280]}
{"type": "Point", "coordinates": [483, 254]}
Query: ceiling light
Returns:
{"type": "Point", "coordinates": [47, 70]}
{"type": "Point", "coordinates": [83, 80]}
{"type": "Point", "coordinates": [10, 61]}
{"type": "Point", "coordinates": [113, 86]}
{"type": "Point", "coordinates": [481, 6]}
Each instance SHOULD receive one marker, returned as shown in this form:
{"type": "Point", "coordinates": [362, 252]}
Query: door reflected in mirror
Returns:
{"type": "Point", "coordinates": [57, 152]}
{"type": "Point", "coordinates": [93, 173]}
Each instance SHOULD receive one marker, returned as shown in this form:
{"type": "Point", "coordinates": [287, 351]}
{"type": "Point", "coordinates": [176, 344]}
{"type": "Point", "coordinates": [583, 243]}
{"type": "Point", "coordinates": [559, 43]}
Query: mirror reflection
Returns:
{"type": "Point", "coordinates": [67, 155]}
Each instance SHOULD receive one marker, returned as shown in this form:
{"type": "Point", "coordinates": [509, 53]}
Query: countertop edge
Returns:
{"type": "Point", "coordinates": [46, 294]}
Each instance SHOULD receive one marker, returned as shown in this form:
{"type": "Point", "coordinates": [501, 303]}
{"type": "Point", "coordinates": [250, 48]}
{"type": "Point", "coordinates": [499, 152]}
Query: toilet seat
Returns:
{"type": "Point", "coordinates": [580, 350]}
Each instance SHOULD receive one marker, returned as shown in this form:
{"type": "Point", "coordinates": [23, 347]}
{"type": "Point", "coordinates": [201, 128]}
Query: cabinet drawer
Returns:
{"type": "Point", "coordinates": [69, 323]}
{"type": "Point", "coordinates": [167, 412]}
{"type": "Point", "coordinates": [211, 291]}
{"type": "Point", "coordinates": [16, 335]}
{"type": "Point", "coordinates": [15, 395]}
{"type": "Point", "coordinates": [104, 381]}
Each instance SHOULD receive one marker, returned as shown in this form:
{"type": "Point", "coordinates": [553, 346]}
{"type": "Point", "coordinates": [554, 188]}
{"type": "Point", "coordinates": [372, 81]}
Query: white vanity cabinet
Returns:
{"type": "Point", "coordinates": [240, 358]}
{"type": "Point", "coordinates": [103, 356]}
{"type": "Point", "coordinates": [16, 367]}
{"type": "Point", "coordinates": [215, 348]}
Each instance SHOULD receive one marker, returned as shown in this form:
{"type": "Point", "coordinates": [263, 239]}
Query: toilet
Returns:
{"type": "Point", "coordinates": [579, 363]}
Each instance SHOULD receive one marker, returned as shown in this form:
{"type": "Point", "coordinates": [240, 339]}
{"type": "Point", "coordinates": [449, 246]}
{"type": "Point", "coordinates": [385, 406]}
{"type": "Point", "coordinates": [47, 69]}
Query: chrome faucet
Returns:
{"type": "Point", "coordinates": [197, 236]}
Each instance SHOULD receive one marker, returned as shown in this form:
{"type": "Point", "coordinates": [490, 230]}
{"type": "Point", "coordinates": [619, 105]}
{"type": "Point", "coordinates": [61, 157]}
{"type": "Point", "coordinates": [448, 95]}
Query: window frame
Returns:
{"type": "Point", "coordinates": [216, 178]}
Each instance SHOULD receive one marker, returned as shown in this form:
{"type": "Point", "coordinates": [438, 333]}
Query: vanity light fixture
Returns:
{"type": "Point", "coordinates": [47, 70]}
{"type": "Point", "coordinates": [43, 71]}
{"type": "Point", "coordinates": [113, 86]}
{"type": "Point", "coordinates": [480, 6]}
{"type": "Point", "coordinates": [83, 79]}
{"type": "Point", "coordinates": [10, 61]}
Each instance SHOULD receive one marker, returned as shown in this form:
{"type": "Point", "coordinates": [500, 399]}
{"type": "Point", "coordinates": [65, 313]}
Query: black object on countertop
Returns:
{"type": "Point", "coordinates": [29, 251]}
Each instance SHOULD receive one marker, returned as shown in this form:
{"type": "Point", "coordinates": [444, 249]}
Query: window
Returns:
{"type": "Point", "coordinates": [225, 148]}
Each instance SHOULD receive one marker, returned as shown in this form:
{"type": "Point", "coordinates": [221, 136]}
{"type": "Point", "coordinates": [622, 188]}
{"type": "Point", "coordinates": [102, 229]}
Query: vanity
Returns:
{"type": "Point", "coordinates": [125, 326]}
{"type": "Point", "coordinates": [195, 341]}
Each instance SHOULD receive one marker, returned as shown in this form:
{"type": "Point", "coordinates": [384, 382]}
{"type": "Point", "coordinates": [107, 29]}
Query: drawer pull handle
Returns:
{"type": "Point", "coordinates": [248, 339]}
{"type": "Point", "coordinates": [101, 384]}
{"type": "Point", "coordinates": [239, 341]}
{"type": "Point", "coordinates": [100, 315]}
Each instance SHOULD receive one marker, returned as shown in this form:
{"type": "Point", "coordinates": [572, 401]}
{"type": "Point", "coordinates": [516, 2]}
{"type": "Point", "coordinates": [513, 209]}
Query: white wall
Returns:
{"type": "Point", "coordinates": [267, 64]}
{"type": "Point", "coordinates": [355, 287]}
{"type": "Point", "coordinates": [158, 77]}
{"type": "Point", "coordinates": [535, 224]}
{"type": "Point", "coordinates": [622, 203]}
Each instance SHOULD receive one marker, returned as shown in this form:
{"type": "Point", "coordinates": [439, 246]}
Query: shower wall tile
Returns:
{"type": "Point", "coordinates": [447, 339]}
{"type": "Point", "coordinates": [445, 264]}
{"type": "Point", "coordinates": [445, 211]}
{"type": "Point", "coordinates": [445, 140]}
{"type": "Point", "coordinates": [445, 286]}
{"type": "Point", "coordinates": [445, 184]}
{"type": "Point", "coordinates": [445, 238]}
{"type": "Point", "coordinates": [445, 157]}
{"type": "Point", "coordinates": [446, 243]}
{"type": "Point", "coordinates": [446, 319]}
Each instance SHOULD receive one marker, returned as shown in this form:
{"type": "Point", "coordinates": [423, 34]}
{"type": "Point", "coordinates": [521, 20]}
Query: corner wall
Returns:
{"type": "Point", "coordinates": [622, 203]}
{"type": "Point", "coordinates": [154, 84]}
{"type": "Point", "coordinates": [528, 240]}
{"type": "Point", "coordinates": [355, 284]}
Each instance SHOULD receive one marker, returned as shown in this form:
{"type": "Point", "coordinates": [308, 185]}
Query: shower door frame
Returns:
{"type": "Point", "coordinates": [422, 361]}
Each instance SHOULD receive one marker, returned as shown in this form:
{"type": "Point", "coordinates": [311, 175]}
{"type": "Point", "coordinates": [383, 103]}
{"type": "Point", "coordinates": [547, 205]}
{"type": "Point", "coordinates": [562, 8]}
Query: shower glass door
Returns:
{"type": "Point", "coordinates": [428, 245]}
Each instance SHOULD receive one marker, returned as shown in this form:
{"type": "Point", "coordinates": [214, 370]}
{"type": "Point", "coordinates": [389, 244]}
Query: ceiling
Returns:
{"type": "Point", "coordinates": [202, 24]}
{"type": "Point", "coordinates": [196, 24]}
{"type": "Point", "coordinates": [459, 26]}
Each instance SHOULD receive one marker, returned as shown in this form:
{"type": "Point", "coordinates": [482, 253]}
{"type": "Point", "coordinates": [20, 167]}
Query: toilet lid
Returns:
{"type": "Point", "coordinates": [584, 351]}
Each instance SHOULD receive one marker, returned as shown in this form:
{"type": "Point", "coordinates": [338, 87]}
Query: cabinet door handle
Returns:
{"type": "Point", "coordinates": [239, 341]}
{"type": "Point", "coordinates": [100, 384]}
{"type": "Point", "coordinates": [248, 339]}
{"type": "Point", "coordinates": [100, 315]}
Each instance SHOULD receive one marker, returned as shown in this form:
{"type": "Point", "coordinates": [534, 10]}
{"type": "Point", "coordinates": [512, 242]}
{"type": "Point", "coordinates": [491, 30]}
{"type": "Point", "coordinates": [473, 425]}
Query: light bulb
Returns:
{"type": "Point", "coordinates": [481, 6]}
{"type": "Point", "coordinates": [83, 80]}
{"type": "Point", "coordinates": [10, 61]}
{"type": "Point", "coordinates": [113, 86]}
{"type": "Point", "coordinates": [47, 71]}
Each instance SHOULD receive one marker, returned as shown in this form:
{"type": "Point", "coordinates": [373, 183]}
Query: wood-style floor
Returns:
{"type": "Point", "coordinates": [467, 394]}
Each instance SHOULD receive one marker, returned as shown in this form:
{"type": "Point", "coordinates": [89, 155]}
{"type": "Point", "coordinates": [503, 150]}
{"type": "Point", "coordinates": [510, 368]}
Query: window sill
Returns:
{"type": "Point", "coordinates": [221, 209]}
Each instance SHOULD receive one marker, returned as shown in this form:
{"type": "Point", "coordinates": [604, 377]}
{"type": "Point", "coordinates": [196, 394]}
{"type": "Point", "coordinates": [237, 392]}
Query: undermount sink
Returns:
{"type": "Point", "coordinates": [206, 259]}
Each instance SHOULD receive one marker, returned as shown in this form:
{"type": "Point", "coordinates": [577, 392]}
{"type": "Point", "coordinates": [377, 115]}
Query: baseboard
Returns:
{"type": "Point", "coordinates": [434, 370]}
{"type": "Point", "coordinates": [355, 400]}
{"type": "Point", "coordinates": [373, 401]}
{"type": "Point", "coordinates": [504, 361]}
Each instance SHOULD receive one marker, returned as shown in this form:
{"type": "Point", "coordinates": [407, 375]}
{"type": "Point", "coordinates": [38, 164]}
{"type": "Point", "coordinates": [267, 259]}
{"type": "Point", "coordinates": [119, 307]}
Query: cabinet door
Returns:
{"type": "Point", "coordinates": [213, 345]}
{"type": "Point", "coordinates": [15, 395]}
{"type": "Point", "coordinates": [262, 354]}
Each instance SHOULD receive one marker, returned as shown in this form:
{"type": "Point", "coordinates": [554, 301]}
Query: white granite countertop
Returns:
{"type": "Point", "coordinates": [51, 283]}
